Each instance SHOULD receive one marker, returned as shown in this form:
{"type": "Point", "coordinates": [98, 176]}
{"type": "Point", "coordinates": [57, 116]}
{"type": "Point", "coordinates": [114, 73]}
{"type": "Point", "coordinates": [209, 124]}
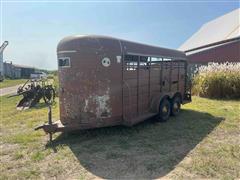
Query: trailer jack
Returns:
{"type": "Point", "coordinates": [51, 127]}
{"type": "Point", "coordinates": [48, 128]}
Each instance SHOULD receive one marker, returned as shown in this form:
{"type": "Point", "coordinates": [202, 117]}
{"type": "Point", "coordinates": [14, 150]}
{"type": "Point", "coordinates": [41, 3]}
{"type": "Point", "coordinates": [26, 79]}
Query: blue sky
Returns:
{"type": "Point", "coordinates": [34, 29]}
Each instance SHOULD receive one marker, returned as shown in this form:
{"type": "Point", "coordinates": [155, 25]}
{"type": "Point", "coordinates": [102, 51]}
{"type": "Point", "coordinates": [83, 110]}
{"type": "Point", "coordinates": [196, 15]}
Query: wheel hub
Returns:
{"type": "Point", "coordinates": [165, 110]}
{"type": "Point", "coordinates": [175, 106]}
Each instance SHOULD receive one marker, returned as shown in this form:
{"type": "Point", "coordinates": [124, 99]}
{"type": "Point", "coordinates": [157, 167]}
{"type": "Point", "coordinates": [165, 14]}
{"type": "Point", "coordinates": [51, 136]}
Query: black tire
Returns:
{"type": "Point", "coordinates": [175, 106]}
{"type": "Point", "coordinates": [164, 110]}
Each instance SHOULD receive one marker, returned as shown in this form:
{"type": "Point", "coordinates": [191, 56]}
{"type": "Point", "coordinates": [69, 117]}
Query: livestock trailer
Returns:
{"type": "Point", "coordinates": [106, 81]}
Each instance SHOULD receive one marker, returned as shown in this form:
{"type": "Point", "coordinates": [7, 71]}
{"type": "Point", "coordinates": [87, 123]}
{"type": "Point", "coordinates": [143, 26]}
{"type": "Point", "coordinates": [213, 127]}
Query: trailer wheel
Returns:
{"type": "Point", "coordinates": [175, 106]}
{"type": "Point", "coordinates": [164, 110]}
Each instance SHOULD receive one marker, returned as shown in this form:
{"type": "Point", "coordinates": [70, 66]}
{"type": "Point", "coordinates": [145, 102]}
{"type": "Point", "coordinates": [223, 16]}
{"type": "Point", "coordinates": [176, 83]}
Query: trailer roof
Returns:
{"type": "Point", "coordinates": [129, 46]}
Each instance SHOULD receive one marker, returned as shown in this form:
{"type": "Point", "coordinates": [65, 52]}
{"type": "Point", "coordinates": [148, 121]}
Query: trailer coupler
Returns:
{"type": "Point", "coordinates": [48, 128]}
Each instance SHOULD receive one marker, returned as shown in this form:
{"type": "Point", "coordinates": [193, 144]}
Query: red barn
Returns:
{"type": "Point", "coordinates": [216, 41]}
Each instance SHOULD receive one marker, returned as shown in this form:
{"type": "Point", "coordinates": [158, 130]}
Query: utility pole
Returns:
{"type": "Point", "coordinates": [3, 46]}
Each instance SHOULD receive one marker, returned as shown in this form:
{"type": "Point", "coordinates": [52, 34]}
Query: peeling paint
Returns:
{"type": "Point", "coordinates": [102, 104]}
{"type": "Point", "coordinates": [118, 59]}
{"type": "Point", "coordinates": [86, 105]}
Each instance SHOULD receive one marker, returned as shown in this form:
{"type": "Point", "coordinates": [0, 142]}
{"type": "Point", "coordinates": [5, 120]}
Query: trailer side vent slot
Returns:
{"type": "Point", "coordinates": [131, 62]}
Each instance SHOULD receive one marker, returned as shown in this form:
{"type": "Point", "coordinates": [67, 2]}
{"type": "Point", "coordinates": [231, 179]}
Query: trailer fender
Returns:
{"type": "Point", "coordinates": [178, 94]}
{"type": "Point", "coordinates": [155, 102]}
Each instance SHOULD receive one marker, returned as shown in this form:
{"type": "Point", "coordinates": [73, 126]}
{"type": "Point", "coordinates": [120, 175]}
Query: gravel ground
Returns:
{"type": "Point", "coordinates": [9, 90]}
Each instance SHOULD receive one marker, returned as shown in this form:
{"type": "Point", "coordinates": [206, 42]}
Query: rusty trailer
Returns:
{"type": "Point", "coordinates": [106, 81]}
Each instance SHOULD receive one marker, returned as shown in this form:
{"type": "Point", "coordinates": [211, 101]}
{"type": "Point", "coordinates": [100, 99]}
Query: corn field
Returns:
{"type": "Point", "coordinates": [217, 81]}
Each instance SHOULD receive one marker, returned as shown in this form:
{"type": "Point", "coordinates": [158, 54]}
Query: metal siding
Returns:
{"type": "Point", "coordinates": [229, 52]}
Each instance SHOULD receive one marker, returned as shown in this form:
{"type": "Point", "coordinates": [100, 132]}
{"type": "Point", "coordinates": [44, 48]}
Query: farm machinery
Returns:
{"type": "Point", "coordinates": [33, 91]}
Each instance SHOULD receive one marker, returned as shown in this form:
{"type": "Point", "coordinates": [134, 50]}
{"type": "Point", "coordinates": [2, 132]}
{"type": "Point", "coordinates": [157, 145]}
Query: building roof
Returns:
{"type": "Point", "coordinates": [220, 29]}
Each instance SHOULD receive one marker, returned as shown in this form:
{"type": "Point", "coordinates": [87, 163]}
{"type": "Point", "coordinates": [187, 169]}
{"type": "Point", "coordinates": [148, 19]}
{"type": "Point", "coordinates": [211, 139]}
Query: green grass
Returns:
{"type": "Point", "coordinates": [202, 142]}
{"type": "Point", "coordinates": [11, 82]}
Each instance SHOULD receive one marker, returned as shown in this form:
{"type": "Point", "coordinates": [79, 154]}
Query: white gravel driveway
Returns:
{"type": "Point", "coordinates": [9, 90]}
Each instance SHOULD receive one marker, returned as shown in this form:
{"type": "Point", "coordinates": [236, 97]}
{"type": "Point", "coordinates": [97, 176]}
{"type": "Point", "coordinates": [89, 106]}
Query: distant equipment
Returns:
{"type": "Point", "coordinates": [3, 46]}
{"type": "Point", "coordinates": [33, 91]}
{"type": "Point", "coordinates": [38, 75]}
